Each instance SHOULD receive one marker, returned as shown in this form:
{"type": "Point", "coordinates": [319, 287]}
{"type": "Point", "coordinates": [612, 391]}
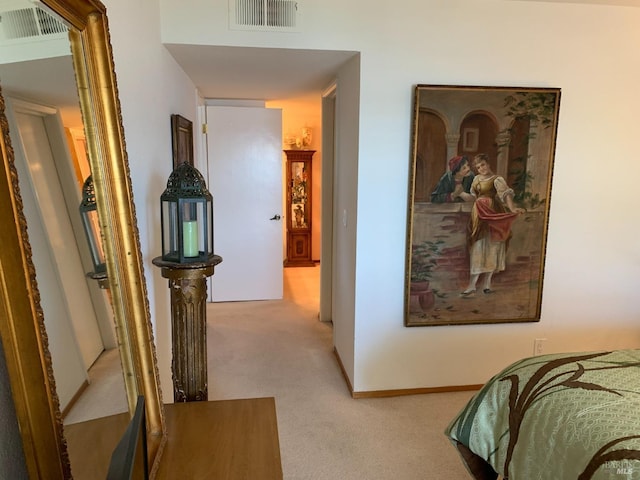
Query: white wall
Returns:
{"type": "Point", "coordinates": [346, 212]}
{"type": "Point", "coordinates": [592, 255]}
{"type": "Point", "coordinates": [151, 87]}
{"type": "Point", "coordinates": [589, 299]}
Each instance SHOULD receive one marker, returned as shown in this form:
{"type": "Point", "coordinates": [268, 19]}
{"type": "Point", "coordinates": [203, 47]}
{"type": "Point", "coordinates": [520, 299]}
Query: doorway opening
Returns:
{"type": "Point", "coordinates": [300, 116]}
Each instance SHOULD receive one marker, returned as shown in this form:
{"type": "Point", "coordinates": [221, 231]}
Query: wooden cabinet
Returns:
{"type": "Point", "coordinates": [298, 208]}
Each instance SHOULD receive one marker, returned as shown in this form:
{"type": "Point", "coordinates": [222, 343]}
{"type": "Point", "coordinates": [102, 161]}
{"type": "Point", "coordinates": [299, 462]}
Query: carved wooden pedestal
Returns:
{"type": "Point", "coordinates": [188, 285]}
{"type": "Point", "coordinates": [242, 441]}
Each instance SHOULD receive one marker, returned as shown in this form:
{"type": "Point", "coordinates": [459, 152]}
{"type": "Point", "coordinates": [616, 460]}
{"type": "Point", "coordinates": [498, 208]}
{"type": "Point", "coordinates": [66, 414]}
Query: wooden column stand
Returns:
{"type": "Point", "coordinates": [188, 285]}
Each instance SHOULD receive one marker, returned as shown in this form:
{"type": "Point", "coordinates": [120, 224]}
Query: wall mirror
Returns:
{"type": "Point", "coordinates": [22, 326]}
{"type": "Point", "coordinates": [49, 150]}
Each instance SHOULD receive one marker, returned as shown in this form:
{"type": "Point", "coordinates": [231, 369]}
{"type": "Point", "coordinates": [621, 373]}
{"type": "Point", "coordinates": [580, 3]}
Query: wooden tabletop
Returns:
{"type": "Point", "coordinates": [91, 443]}
{"type": "Point", "coordinates": [224, 439]}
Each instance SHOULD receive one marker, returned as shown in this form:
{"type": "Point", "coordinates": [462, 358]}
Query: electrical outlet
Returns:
{"type": "Point", "coordinates": [539, 346]}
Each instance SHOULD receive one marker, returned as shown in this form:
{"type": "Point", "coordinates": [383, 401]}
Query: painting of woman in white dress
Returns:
{"type": "Point", "coordinates": [492, 214]}
{"type": "Point", "coordinates": [479, 197]}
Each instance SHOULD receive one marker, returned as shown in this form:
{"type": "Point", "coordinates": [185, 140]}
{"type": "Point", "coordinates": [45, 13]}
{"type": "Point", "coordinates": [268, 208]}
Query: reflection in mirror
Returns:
{"type": "Point", "coordinates": [56, 250]}
{"type": "Point", "coordinates": [47, 135]}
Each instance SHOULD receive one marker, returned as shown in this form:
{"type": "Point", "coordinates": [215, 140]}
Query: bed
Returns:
{"type": "Point", "coordinates": [555, 417]}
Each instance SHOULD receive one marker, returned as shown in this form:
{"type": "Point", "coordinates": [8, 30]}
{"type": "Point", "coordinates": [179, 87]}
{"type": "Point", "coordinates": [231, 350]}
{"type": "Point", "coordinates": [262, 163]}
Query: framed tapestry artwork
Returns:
{"type": "Point", "coordinates": [181, 140]}
{"type": "Point", "coordinates": [479, 193]}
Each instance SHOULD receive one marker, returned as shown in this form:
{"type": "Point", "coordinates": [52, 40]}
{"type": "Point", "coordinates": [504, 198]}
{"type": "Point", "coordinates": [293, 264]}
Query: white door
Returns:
{"type": "Point", "coordinates": [58, 235]}
{"type": "Point", "coordinates": [244, 151]}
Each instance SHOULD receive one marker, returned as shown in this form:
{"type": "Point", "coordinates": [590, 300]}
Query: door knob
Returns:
{"type": "Point", "coordinates": [275, 217]}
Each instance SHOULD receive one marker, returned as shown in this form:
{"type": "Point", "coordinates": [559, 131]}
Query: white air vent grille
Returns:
{"type": "Point", "coordinates": [265, 15]}
{"type": "Point", "coordinates": [29, 23]}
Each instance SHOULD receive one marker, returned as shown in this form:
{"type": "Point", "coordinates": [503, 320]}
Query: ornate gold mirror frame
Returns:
{"type": "Point", "coordinates": [21, 318]}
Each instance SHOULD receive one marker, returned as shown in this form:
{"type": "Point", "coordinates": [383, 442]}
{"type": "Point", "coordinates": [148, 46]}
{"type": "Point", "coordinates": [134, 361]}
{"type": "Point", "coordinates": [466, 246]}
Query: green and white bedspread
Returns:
{"type": "Point", "coordinates": [556, 417]}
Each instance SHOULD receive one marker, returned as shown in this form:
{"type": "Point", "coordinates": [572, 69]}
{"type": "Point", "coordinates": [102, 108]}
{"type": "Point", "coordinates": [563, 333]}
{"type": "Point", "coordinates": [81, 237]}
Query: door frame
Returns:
{"type": "Point", "coordinates": [72, 194]}
{"type": "Point", "coordinates": [328, 182]}
{"type": "Point", "coordinates": [327, 238]}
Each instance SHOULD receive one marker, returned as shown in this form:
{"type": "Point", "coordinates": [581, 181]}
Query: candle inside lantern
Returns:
{"type": "Point", "coordinates": [190, 239]}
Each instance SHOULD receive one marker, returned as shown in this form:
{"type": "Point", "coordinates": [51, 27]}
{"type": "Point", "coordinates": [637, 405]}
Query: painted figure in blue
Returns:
{"type": "Point", "coordinates": [455, 184]}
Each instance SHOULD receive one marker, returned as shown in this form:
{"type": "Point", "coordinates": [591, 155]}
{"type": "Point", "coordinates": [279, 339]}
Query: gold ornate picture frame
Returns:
{"type": "Point", "coordinates": [23, 334]}
{"type": "Point", "coordinates": [479, 194]}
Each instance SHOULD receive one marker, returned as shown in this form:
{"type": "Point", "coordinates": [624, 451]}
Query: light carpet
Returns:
{"type": "Point", "coordinates": [280, 349]}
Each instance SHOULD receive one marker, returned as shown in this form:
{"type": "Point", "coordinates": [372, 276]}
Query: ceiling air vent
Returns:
{"type": "Point", "coordinates": [29, 23]}
{"type": "Point", "coordinates": [265, 15]}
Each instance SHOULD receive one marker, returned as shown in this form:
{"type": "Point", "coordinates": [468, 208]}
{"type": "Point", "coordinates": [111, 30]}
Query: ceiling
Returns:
{"type": "Point", "coordinates": [217, 72]}
{"type": "Point", "coordinates": [220, 72]}
{"type": "Point", "coordinates": [258, 73]}
{"type": "Point", "coordinates": [50, 80]}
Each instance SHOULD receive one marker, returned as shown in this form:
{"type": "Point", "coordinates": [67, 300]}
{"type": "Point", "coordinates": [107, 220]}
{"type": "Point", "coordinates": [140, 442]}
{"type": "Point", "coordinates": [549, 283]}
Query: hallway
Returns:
{"type": "Point", "coordinates": [252, 344]}
{"type": "Point", "coordinates": [105, 394]}
{"type": "Point", "coordinates": [278, 348]}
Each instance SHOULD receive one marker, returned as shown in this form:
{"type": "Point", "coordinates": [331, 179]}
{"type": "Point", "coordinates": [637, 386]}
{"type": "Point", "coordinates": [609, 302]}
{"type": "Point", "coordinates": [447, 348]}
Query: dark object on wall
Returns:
{"type": "Point", "coordinates": [129, 458]}
{"type": "Point", "coordinates": [181, 140]}
{"type": "Point", "coordinates": [479, 194]}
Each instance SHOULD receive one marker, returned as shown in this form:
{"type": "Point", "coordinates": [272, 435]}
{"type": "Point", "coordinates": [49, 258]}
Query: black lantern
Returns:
{"type": "Point", "coordinates": [89, 214]}
{"type": "Point", "coordinates": [187, 217]}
